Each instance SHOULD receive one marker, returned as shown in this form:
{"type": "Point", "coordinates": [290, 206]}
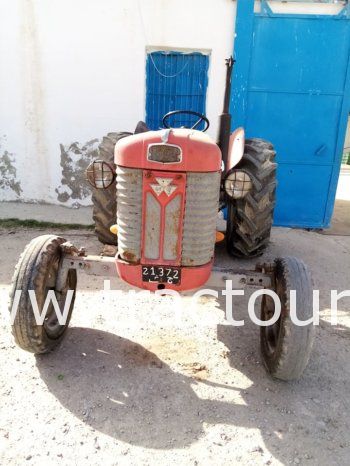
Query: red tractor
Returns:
{"type": "Point", "coordinates": [156, 196]}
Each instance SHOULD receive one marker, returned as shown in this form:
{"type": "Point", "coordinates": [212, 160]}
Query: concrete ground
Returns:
{"type": "Point", "coordinates": [131, 385]}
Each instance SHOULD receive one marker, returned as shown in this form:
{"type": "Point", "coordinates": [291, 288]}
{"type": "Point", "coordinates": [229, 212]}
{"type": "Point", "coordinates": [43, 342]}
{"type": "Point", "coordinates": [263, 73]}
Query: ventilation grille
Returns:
{"type": "Point", "coordinates": [129, 213]}
{"type": "Point", "coordinates": [201, 210]}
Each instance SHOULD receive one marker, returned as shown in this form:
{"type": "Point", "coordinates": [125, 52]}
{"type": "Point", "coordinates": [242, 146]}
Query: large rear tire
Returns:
{"type": "Point", "coordinates": [37, 269]}
{"type": "Point", "coordinates": [249, 220]}
{"type": "Point", "coordinates": [105, 200]}
{"type": "Point", "coordinates": [286, 346]}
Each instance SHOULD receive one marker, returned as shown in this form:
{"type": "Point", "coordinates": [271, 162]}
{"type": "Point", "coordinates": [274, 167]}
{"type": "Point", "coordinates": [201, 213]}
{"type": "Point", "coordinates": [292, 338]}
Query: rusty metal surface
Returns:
{"type": "Point", "coordinates": [92, 265]}
{"type": "Point", "coordinates": [171, 228]}
{"type": "Point", "coordinates": [105, 266]}
{"type": "Point", "coordinates": [162, 217]}
{"type": "Point", "coordinates": [129, 213]}
{"type": "Point", "coordinates": [152, 227]}
{"type": "Point", "coordinates": [109, 250]}
{"type": "Point", "coordinates": [202, 201]}
{"type": "Point", "coordinates": [240, 278]}
{"type": "Point", "coordinates": [68, 248]}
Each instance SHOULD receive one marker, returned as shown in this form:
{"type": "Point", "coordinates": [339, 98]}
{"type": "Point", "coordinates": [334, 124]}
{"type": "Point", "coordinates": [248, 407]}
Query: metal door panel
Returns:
{"type": "Point", "coordinates": [303, 128]}
{"type": "Point", "coordinates": [293, 54]}
{"type": "Point", "coordinates": [291, 86]}
{"type": "Point", "coordinates": [298, 185]}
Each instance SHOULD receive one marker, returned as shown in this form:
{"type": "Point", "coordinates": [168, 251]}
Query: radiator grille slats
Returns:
{"type": "Point", "coordinates": [199, 222]}
{"type": "Point", "coordinates": [129, 213]}
{"type": "Point", "coordinates": [201, 209]}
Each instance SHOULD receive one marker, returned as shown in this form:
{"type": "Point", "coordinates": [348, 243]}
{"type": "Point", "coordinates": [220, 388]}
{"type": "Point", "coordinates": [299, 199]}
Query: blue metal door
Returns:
{"type": "Point", "coordinates": [291, 86]}
{"type": "Point", "coordinates": [175, 81]}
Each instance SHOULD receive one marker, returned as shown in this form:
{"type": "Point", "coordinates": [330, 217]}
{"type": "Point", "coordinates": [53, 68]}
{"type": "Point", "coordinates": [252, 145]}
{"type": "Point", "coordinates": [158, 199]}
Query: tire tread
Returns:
{"type": "Point", "coordinates": [249, 219]}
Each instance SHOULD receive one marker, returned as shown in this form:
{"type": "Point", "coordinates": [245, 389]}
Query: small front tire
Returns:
{"type": "Point", "coordinates": [37, 269]}
{"type": "Point", "coordinates": [286, 346]}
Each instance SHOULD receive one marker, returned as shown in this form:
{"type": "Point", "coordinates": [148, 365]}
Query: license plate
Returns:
{"type": "Point", "coordinates": [155, 273]}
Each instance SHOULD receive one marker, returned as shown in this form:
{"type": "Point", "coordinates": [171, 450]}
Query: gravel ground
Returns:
{"type": "Point", "coordinates": [131, 385]}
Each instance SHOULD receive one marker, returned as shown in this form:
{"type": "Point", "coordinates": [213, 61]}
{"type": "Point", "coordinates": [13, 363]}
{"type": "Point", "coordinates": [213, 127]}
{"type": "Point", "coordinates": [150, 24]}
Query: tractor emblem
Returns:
{"type": "Point", "coordinates": [164, 186]}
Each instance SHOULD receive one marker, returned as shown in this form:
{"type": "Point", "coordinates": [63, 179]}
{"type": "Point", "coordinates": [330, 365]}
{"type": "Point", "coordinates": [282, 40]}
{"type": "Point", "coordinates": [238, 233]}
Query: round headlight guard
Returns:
{"type": "Point", "coordinates": [237, 184]}
{"type": "Point", "coordinates": [100, 174]}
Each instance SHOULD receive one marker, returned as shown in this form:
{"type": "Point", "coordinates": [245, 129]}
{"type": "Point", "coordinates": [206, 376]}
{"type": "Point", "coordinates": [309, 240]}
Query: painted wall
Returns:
{"type": "Point", "coordinates": [70, 71]}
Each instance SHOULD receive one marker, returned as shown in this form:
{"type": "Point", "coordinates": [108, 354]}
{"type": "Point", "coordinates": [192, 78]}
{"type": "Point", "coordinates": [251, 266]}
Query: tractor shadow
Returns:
{"type": "Point", "coordinates": [121, 389]}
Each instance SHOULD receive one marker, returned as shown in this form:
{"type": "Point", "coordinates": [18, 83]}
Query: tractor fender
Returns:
{"type": "Point", "coordinates": [236, 148]}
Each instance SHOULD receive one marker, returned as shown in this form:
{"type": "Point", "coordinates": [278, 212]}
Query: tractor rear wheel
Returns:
{"type": "Point", "coordinates": [37, 270]}
{"type": "Point", "coordinates": [105, 200]}
{"type": "Point", "coordinates": [286, 346]}
{"type": "Point", "coordinates": [249, 220]}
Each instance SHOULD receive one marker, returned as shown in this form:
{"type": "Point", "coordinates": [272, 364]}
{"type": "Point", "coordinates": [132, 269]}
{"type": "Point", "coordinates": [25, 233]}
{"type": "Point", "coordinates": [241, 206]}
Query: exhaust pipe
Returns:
{"type": "Point", "coordinates": [225, 117]}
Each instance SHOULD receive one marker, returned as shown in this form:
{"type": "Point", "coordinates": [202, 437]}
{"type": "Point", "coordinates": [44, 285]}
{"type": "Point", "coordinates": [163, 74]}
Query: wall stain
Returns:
{"type": "Point", "coordinates": [8, 173]}
{"type": "Point", "coordinates": [74, 160]}
{"type": "Point", "coordinates": [33, 98]}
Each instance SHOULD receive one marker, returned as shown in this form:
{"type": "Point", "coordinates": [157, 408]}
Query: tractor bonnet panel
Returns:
{"type": "Point", "coordinates": [186, 151]}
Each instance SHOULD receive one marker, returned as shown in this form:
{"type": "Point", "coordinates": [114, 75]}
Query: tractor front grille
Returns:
{"type": "Point", "coordinates": [201, 211]}
{"type": "Point", "coordinates": [129, 213]}
{"type": "Point", "coordinates": [198, 219]}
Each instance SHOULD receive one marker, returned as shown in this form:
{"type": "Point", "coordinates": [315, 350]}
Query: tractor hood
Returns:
{"type": "Point", "coordinates": [192, 151]}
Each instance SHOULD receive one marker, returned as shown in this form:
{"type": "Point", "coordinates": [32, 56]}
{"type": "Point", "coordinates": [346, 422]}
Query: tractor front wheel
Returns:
{"type": "Point", "coordinates": [249, 219]}
{"type": "Point", "coordinates": [285, 345]}
{"type": "Point", "coordinates": [37, 271]}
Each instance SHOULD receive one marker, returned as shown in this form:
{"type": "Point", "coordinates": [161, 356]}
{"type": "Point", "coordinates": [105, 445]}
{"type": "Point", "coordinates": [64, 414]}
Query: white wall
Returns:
{"type": "Point", "coordinates": [70, 71]}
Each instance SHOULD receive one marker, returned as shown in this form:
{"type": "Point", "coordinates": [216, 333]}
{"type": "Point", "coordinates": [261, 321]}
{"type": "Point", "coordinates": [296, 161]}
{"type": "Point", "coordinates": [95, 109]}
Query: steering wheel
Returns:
{"type": "Point", "coordinates": [200, 116]}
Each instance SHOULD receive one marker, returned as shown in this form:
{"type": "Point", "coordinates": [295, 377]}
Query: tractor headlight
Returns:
{"type": "Point", "coordinates": [237, 184]}
{"type": "Point", "coordinates": [100, 174]}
